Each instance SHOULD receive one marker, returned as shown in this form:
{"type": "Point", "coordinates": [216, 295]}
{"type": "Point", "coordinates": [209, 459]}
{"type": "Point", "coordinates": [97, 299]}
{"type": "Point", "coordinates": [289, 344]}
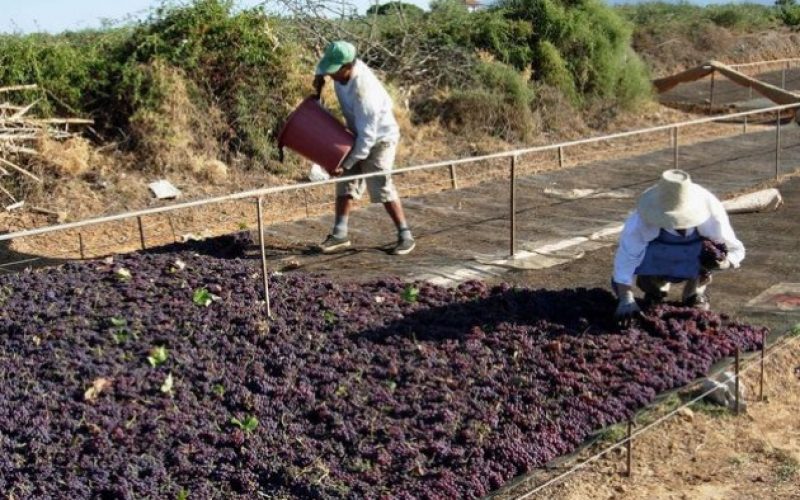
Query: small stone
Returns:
{"type": "Point", "coordinates": [686, 413]}
{"type": "Point", "coordinates": [291, 265]}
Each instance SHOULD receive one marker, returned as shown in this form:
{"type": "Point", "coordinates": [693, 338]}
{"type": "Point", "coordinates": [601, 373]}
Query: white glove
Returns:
{"type": "Point", "coordinates": [627, 309]}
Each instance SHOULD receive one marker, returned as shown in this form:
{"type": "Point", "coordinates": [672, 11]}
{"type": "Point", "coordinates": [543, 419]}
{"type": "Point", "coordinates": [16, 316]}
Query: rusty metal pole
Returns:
{"type": "Point", "coordinates": [453, 176]}
{"type": "Point", "coordinates": [513, 206]}
{"type": "Point", "coordinates": [736, 381]}
{"type": "Point", "coordinates": [141, 232]}
{"type": "Point", "coordinates": [628, 449]}
{"type": "Point", "coordinates": [777, 144]}
{"type": "Point", "coordinates": [674, 147]}
{"type": "Point", "coordinates": [561, 157]}
{"type": "Point", "coordinates": [711, 92]}
{"type": "Point", "coordinates": [761, 377]}
{"type": "Point", "coordinates": [260, 210]}
{"type": "Point", "coordinates": [80, 245]}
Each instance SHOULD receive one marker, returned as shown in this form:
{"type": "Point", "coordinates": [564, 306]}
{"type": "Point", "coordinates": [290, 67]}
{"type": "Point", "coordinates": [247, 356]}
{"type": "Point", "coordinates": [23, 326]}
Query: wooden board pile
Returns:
{"type": "Point", "coordinates": [20, 133]}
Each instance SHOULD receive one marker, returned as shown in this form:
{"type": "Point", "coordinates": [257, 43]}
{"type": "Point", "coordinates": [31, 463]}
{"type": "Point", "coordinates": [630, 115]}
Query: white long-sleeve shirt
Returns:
{"type": "Point", "coordinates": [637, 234]}
{"type": "Point", "coordinates": [368, 109]}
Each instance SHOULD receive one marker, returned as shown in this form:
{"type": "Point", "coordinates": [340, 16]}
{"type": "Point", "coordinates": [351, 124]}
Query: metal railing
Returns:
{"type": "Point", "coordinates": [513, 156]}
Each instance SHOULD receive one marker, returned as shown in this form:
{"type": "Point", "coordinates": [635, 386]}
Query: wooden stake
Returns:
{"type": "Point", "coordinates": [21, 170]}
{"type": "Point", "coordinates": [14, 88]}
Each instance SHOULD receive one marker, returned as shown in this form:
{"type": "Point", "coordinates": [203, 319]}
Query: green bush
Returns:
{"type": "Point", "coordinates": [238, 58]}
{"type": "Point", "coordinates": [498, 102]}
{"type": "Point", "coordinates": [588, 40]}
{"type": "Point", "coordinates": [684, 18]}
{"type": "Point", "coordinates": [394, 8]}
{"type": "Point", "coordinates": [790, 15]}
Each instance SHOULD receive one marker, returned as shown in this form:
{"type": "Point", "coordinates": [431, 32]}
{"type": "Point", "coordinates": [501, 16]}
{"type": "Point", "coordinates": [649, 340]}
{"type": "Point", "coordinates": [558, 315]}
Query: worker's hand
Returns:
{"type": "Point", "coordinates": [319, 82]}
{"type": "Point", "coordinates": [627, 310]}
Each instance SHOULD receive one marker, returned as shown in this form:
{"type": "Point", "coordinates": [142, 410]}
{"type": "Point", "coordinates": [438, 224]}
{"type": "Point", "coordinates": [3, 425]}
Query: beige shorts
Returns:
{"type": "Point", "coordinates": [381, 188]}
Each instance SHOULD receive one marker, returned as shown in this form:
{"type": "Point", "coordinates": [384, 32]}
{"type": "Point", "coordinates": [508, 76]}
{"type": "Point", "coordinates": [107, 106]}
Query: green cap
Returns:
{"type": "Point", "coordinates": [336, 55]}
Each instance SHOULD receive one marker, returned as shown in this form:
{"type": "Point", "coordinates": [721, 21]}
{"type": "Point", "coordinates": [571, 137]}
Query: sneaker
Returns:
{"type": "Point", "coordinates": [333, 244]}
{"type": "Point", "coordinates": [698, 301]}
{"type": "Point", "coordinates": [404, 247]}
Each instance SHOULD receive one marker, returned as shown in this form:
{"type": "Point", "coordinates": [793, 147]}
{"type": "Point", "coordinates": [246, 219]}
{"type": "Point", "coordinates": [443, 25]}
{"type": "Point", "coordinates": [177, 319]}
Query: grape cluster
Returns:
{"type": "Point", "coordinates": [712, 253]}
{"type": "Point", "coordinates": [357, 390]}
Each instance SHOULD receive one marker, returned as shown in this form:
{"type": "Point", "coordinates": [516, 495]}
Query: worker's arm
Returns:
{"type": "Point", "coordinates": [632, 246]}
{"type": "Point", "coordinates": [319, 82]}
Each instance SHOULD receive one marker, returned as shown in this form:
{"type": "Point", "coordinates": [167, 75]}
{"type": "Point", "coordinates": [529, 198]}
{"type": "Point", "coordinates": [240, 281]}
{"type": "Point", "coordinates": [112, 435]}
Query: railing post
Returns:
{"type": "Point", "coordinates": [761, 377]}
{"type": "Point", "coordinates": [629, 449]}
{"type": "Point", "coordinates": [260, 211]}
{"type": "Point", "coordinates": [777, 143]}
{"type": "Point", "coordinates": [711, 91]}
{"type": "Point", "coordinates": [674, 147]}
{"type": "Point", "coordinates": [513, 206]}
{"type": "Point", "coordinates": [561, 157]}
{"type": "Point", "coordinates": [736, 382]}
{"type": "Point", "coordinates": [783, 76]}
{"type": "Point", "coordinates": [141, 232]}
{"type": "Point", "coordinates": [744, 127]}
{"type": "Point", "coordinates": [80, 245]}
{"type": "Point", "coordinates": [453, 176]}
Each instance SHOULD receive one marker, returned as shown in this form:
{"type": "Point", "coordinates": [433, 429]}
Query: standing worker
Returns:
{"type": "Point", "coordinates": [367, 108]}
{"type": "Point", "coordinates": [661, 243]}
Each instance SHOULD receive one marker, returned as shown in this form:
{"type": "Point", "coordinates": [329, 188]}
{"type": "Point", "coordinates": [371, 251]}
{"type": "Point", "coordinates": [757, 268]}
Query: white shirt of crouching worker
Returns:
{"type": "Point", "coordinates": [637, 234]}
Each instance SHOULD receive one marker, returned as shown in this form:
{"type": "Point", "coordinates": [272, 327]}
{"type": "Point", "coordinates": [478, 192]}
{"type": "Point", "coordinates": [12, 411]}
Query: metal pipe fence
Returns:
{"type": "Point", "coordinates": [630, 436]}
{"type": "Point", "coordinates": [512, 156]}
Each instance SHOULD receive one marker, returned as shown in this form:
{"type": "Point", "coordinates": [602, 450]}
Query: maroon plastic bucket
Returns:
{"type": "Point", "coordinates": [313, 133]}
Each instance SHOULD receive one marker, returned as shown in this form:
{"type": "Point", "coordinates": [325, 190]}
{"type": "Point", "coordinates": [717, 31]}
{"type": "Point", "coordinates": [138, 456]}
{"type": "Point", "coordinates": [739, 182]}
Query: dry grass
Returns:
{"type": "Point", "coordinates": [177, 134]}
{"type": "Point", "coordinates": [70, 158]}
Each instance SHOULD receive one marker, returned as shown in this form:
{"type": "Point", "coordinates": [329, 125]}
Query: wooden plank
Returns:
{"type": "Point", "coordinates": [20, 170]}
{"type": "Point", "coordinates": [15, 88]}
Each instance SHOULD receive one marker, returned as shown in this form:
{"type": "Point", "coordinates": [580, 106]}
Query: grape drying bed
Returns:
{"type": "Point", "coordinates": [157, 375]}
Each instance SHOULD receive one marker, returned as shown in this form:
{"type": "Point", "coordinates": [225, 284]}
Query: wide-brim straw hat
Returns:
{"type": "Point", "coordinates": [674, 203]}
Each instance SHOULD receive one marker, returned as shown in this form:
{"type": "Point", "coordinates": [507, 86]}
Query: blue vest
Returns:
{"type": "Point", "coordinates": [672, 256]}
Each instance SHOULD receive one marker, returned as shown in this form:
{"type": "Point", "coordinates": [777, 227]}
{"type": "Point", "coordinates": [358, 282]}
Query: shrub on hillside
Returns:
{"type": "Point", "coordinates": [253, 75]}
{"type": "Point", "coordinates": [498, 102]}
{"type": "Point", "coordinates": [592, 41]}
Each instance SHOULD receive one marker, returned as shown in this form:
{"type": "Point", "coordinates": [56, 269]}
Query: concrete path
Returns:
{"type": "Point", "coordinates": [464, 233]}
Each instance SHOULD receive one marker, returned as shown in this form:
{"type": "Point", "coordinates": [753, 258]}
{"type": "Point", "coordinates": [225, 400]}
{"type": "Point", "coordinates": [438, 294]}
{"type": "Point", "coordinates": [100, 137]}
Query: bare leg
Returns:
{"type": "Point", "coordinates": [395, 210]}
{"type": "Point", "coordinates": [344, 204]}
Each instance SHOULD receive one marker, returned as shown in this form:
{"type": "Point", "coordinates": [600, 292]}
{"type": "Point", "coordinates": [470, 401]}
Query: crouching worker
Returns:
{"type": "Point", "coordinates": [369, 113]}
{"type": "Point", "coordinates": [661, 243]}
